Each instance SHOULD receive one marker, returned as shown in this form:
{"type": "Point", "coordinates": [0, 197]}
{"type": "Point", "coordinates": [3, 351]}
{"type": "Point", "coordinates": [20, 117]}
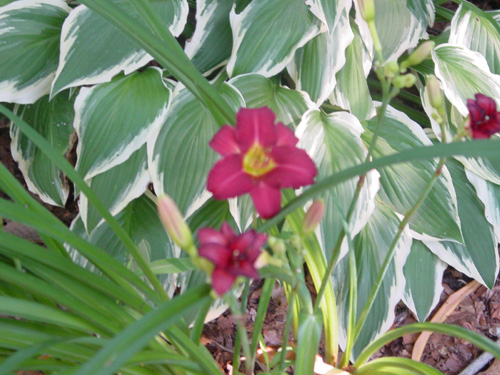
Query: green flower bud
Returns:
{"type": "Point", "coordinates": [419, 54]}
{"type": "Point", "coordinates": [277, 245]}
{"type": "Point", "coordinates": [367, 10]}
{"type": "Point", "coordinates": [405, 81]}
{"type": "Point", "coordinates": [174, 223]}
{"type": "Point", "coordinates": [313, 216]}
{"type": "Point", "coordinates": [434, 92]}
{"type": "Point", "coordinates": [391, 69]}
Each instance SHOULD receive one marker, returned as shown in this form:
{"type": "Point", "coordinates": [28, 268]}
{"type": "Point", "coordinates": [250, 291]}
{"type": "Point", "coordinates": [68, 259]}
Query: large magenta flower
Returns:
{"type": "Point", "coordinates": [259, 157]}
{"type": "Point", "coordinates": [232, 255]}
{"type": "Point", "coordinates": [484, 120]}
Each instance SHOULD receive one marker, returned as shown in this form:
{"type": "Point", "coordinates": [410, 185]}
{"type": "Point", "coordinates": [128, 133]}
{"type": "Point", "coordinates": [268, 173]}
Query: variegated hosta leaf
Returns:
{"type": "Point", "coordinates": [116, 187]}
{"type": "Point", "coordinates": [352, 92]}
{"type": "Point", "coordinates": [464, 73]}
{"type": "Point", "coordinates": [489, 194]}
{"type": "Point", "coordinates": [140, 220]}
{"type": "Point", "coordinates": [403, 184]}
{"type": "Point", "coordinates": [267, 34]}
{"type": "Point", "coordinates": [334, 143]}
{"type": "Point", "coordinates": [314, 66]}
{"type": "Point", "coordinates": [94, 51]}
{"type": "Point", "coordinates": [259, 91]}
{"type": "Point", "coordinates": [114, 119]}
{"type": "Point", "coordinates": [288, 105]}
{"type": "Point", "coordinates": [424, 10]}
{"type": "Point", "coordinates": [371, 247]}
{"type": "Point", "coordinates": [29, 48]}
{"type": "Point", "coordinates": [399, 27]}
{"type": "Point", "coordinates": [54, 121]}
{"type": "Point", "coordinates": [488, 169]}
{"type": "Point", "coordinates": [179, 156]}
{"type": "Point", "coordinates": [477, 31]}
{"type": "Point", "coordinates": [423, 272]}
{"type": "Point", "coordinates": [212, 40]}
{"type": "Point", "coordinates": [478, 256]}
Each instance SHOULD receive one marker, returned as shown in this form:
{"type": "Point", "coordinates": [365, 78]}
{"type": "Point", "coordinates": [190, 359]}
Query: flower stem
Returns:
{"type": "Point", "coordinates": [241, 330]}
{"type": "Point", "coordinates": [392, 249]}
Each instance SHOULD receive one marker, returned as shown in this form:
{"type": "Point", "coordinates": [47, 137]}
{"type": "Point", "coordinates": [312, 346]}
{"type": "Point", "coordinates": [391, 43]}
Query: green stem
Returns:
{"type": "Point", "coordinates": [392, 249]}
{"type": "Point", "coordinates": [240, 327]}
{"type": "Point", "coordinates": [167, 51]}
{"type": "Point", "coordinates": [288, 324]}
{"type": "Point", "coordinates": [74, 176]}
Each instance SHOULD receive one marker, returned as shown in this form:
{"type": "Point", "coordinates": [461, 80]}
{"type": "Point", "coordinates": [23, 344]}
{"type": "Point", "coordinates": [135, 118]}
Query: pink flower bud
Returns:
{"type": "Point", "coordinates": [313, 216]}
{"type": "Point", "coordinates": [174, 223]}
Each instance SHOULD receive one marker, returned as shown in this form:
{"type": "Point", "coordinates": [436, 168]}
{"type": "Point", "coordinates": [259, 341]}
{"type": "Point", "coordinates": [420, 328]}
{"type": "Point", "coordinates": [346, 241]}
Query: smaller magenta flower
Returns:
{"type": "Point", "coordinates": [232, 255]}
{"type": "Point", "coordinates": [259, 158]}
{"type": "Point", "coordinates": [484, 120]}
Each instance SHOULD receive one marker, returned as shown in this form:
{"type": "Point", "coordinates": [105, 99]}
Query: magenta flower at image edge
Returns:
{"type": "Point", "coordinates": [484, 120]}
{"type": "Point", "coordinates": [232, 255]}
{"type": "Point", "coordinates": [259, 158]}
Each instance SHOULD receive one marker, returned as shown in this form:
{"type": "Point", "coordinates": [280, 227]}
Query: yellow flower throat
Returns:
{"type": "Point", "coordinates": [257, 161]}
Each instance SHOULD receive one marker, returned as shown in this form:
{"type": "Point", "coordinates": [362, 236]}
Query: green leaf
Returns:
{"type": "Point", "coordinates": [423, 10]}
{"type": "Point", "coordinates": [212, 40]}
{"type": "Point", "coordinates": [116, 187]}
{"type": "Point", "coordinates": [310, 327]}
{"type": "Point", "coordinates": [263, 41]}
{"type": "Point", "coordinates": [54, 121]}
{"type": "Point", "coordinates": [489, 194]}
{"type": "Point", "coordinates": [334, 143]}
{"type": "Point", "coordinates": [489, 169]}
{"type": "Point", "coordinates": [464, 73]}
{"type": "Point", "coordinates": [403, 184]}
{"type": "Point", "coordinates": [423, 272]}
{"type": "Point", "coordinates": [119, 349]}
{"type": "Point", "coordinates": [315, 65]}
{"type": "Point", "coordinates": [140, 221]}
{"type": "Point", "coordinates": [114, 119]}
{"type": "Point", "coordinates": [352, 92]}
{"type": "Point", "coordinates": [399, 27]}
{"type": "Point", "coordinates": [93, 50]}
{"type": "Point", "coordinates": [477, 31]}
{"type": "Point", "coordinates": [478, 256]}
{"type": "Point", "coordinates": [258, 91]}
{"type": "Point", "coordinates": [29, 45]}
{"type": "Point", "coordinates": [179, 156]}
{"type": "Point", "coordinates": [371, 247]}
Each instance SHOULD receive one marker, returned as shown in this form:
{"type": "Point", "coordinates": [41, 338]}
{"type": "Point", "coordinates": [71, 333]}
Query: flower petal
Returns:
{"type": "Point", "coordinates": [294, 168]}
{"type": "Point", "coordinates": [475, 112]}
{"type": "Point", "coordinates": [267, 200]}
{"type": "Point", "coordinates": [209, 235]}
{"type": "Point", "coordinates": [255, 125]}
{"type": "Point", "coordinates": [228, 232]}
{"type": "Point", "coordinates": [224, 141]}
{"type": "Point", "coordinates": [254, 250]}
{"type": "Point", "coordinates": [285, 136]}
{"type": "Point", "coordinates": [227, 178]}
{"type": "Point", "coordinates": [219, 255]}
{"type": "Point", "coordinates": [487, 104]}
{"type": "Point", "coordinates": [245, 268]}
{"type": "Point", "coordinates": [222, 281]}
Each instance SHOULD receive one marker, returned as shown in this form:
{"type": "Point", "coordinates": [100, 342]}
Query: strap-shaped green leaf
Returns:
{"type": "Point", "coordinates": [29, 48]}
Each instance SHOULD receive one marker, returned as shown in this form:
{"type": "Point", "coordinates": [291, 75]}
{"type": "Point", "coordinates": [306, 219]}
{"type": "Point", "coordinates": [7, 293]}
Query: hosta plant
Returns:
{"type": "Point", "coordinates": [273, 137]}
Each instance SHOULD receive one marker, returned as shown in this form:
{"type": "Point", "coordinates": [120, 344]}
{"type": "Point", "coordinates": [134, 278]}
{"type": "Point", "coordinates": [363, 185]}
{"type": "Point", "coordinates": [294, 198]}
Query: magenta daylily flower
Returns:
{"type": "Point", "coordinates": [259, 158]}
{"type": "Point", "coordinates": [232, 255]}
{"type": "Point", "coordinates": [484, 120]}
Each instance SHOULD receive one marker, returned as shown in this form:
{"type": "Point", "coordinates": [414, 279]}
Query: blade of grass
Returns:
{"type": "Point", "coordinates": [81, 185]}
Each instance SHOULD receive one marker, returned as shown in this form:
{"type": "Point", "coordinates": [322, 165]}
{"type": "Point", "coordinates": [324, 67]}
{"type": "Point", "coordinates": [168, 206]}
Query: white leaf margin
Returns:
{"type": "Point", "coordinates": [476, 60]}
{"type": "Point", "coordinates": [128, 65]}
{"type": "Point", "coordinates": [33, 92]}
{"type": "Point", "coordinates": [122, 154]}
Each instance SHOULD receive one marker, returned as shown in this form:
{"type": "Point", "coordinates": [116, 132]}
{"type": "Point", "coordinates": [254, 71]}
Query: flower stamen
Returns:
{"type": "Point", "coordinates": [257, 161]}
